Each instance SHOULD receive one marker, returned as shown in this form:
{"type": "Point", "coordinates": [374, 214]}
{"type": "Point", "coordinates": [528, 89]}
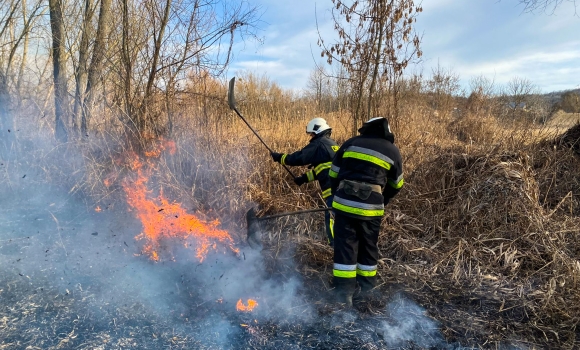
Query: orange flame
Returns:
{"type": "Point", "coordinates": [161, 146]}
{"type": "Point", "coordinates": [243, 308]}
{"type": "Point", "coordinates": [162, 219]}
{"type": "Point", "coordinates": [98, 209]}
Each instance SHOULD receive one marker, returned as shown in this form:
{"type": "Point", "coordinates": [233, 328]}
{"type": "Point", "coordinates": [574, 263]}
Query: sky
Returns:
{"type": "Point", "coordinates": [472, 38]}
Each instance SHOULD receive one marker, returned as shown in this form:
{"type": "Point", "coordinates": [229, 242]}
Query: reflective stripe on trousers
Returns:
{"type": "Point", "coordinates": [355, 245]}
{"type": "Point", "coordinates": [329, 220]}
{"type": "Point", "coordinates": [366, 270]}
{"type": "Point", "coordinates": [344, 271]}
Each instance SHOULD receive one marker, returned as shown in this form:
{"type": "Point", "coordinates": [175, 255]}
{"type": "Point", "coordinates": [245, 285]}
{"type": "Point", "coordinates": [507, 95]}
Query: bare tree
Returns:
{"type": "Point", "coordinates": [151, 51]}
{"type": "Point", "coordinates": [376, 43]}
{"type": "Point", "coordinates": [94, 71]}
{"type": "Point", "coordinates": [164, 41]}
{"type": "Point", "coordinates": [523, 101]}
{"type": "Point", "coordinates": [518, 89]}
{"type": "Point", "coordinates": [82, 64]}
{"type": "Point", "coordinates": [482, 91]}
{"type": "Point", "coordinates": [59, 69]}
{"type": "Point", "coordinates": [570, 102]}
{"type": "Point", "coordinates": [16, 21]}
{"type": "Point", "coordinates": [341, 87]}
{"type": "Point", "coordinates": [442, 88]}
{"type": "Point", "coordinates": [547, 6]}
{"type": "Point", "coordinates": [318, 87]}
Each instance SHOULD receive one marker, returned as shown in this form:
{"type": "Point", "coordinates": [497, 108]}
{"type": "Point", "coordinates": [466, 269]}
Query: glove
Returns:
{"type": "Point", "coordinates": [300, 180]}
{"type": "Point", "coordinates": [277, 157]}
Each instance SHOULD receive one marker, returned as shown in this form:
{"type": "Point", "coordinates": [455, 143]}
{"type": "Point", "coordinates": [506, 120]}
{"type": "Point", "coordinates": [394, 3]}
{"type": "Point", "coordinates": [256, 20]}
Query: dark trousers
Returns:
{"type": "Point", "coordinates": [328, 221]}
{"type": "Point", "coordinates": [355, 249]}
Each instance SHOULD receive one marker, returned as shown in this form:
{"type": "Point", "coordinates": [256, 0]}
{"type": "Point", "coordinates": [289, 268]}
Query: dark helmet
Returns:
{"type": "Point", "coordinates": [378, 126]}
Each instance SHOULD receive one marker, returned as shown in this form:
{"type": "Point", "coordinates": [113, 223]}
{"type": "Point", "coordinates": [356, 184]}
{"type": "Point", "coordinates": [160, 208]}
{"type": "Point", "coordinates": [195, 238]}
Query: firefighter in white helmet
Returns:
{"type": "Point", "coordinates": [317, 154]}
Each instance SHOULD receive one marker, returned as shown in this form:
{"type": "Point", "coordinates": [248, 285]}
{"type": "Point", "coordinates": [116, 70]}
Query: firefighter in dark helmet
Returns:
{"type": "Point", "coordinates": [365, 174]}
{"type": "Point", "coordinates": [318, 154]}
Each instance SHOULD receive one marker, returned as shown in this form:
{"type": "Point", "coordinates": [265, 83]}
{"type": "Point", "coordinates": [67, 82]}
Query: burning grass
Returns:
{"type": "Point", "coordinates": [163, 220]}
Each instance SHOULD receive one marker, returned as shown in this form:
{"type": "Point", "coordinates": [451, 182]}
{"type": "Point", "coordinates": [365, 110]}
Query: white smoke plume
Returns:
{"type": "Point", "coordinates": [53, 242]}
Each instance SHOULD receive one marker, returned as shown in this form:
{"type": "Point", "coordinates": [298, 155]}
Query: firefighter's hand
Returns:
{"type": "Point", "coordinates": [277, 157]}
{"type": "Point", "coordinates": [300, 180]}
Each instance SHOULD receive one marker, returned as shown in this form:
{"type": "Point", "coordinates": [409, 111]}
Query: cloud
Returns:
{"type": "Point", "coordinates": [499, 41]}
{"type": "Point", "coordinates": [473, 37]}
{"type": "Point", "coordinates": [287, 56]}
{"type": "Point", "coordinates": [551, 70]}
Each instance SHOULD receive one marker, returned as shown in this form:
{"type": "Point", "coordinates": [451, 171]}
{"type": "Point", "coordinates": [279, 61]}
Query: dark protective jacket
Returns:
{"type": "Point", "coordinates": [372, 167]}
{"type": "Point", "coordinates": [318, 154]}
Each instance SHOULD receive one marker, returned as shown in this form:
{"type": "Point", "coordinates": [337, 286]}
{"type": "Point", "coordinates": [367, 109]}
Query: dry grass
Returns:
{"type": "Point", "coordinates": [485, 234]}
{"type": "Point", "coordinates": [563, 120]}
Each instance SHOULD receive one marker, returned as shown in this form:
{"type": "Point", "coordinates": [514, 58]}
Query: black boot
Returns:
{"type": "Point", "coordinates": [343, 291]}
{"type": "Point", "coordinates": [366, 300]}
{"type": "Point", "coordinates": [344, 297]}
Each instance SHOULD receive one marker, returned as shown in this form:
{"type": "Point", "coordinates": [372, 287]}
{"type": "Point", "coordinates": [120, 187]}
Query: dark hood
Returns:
{"type": "Point", "coordinates": [378, 128]}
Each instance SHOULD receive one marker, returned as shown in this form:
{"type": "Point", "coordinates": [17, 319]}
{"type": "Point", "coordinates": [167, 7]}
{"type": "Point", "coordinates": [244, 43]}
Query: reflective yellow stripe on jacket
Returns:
{"type": "Point", "coordinates": [368, 155]}
{"type": "Point", "coordinates": [326, 193]}
{"type": "Point", "coordinates": [398, 183]}
{"type": "Point", "coordinates": [333, 172]}
{"type": "Point", "coordinates": [321, 167]}
{"type": "Point", "coordinates": [358, 208]}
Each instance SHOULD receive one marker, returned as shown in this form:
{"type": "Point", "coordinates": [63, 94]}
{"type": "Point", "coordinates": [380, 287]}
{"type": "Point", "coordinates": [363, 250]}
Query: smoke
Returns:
{"type": "Point", "coordinates": [408, 323]}
{"type": "Point", "coordinates": [54, 243]}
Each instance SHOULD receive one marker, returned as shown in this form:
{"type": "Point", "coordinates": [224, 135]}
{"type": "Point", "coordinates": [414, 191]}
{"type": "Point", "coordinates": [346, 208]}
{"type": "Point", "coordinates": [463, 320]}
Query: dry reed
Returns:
{"type": "Point", "coordinates": [485, 234]}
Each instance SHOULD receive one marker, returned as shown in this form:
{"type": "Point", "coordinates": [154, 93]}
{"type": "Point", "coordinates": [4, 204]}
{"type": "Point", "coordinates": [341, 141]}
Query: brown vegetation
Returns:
{"type": "Point", "coordinates": [486, 228]}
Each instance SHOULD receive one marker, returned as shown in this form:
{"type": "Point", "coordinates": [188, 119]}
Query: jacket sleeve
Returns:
{"type": "Point", "coordinates": [395, 180]}
{"type": "Point", "coordinates": [335, 167]}
{"type": "Point", "coordinates": [302, 157]}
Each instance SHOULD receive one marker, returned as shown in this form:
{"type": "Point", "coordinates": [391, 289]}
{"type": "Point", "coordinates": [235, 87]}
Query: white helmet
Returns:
{"type": "Point", "coordinates": [317, 125]}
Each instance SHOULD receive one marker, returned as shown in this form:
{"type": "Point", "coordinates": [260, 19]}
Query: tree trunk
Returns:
{"type": "Point", "coordinates": [81, 71]}
{"type": "Point", "coordinates": [157, 40]}
{"type": "Point", "coordinates": [24, 56]}
{"type": "Point", "coordinates": [6, 121]}
{"type": "Point", "coordinates": [96, 63]}
{"type": "Point", "coordinates": [377, 61]}
{"type": "Point", "coordinates": [127, 64]}
{"type": "Point", "coordinates": [59, 69]}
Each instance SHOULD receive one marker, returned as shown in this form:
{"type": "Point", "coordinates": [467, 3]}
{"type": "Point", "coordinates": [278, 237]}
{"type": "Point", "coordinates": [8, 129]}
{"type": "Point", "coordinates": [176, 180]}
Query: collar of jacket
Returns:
{"type": "Point", "coordinates": [325, 133]}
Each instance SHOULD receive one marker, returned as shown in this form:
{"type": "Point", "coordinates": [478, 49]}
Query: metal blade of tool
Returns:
{"type": "Point", "coordinates": [254, 234]}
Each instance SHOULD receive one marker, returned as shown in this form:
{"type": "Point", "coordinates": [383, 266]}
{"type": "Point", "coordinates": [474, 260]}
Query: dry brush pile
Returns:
{"type": "Point", "coordinates": [491, 236]}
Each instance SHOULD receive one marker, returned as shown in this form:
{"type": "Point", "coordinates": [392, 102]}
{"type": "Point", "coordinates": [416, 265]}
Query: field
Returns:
{"type": "Point", "coordinates": [481, 248]}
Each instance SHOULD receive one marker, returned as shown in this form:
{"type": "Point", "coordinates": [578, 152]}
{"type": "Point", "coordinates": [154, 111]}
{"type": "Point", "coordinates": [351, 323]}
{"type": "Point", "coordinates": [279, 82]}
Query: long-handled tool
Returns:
{"type": "Point", "coordinates": [253, 221]}
{"type": "Point", "coordinates": [232, 104]}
